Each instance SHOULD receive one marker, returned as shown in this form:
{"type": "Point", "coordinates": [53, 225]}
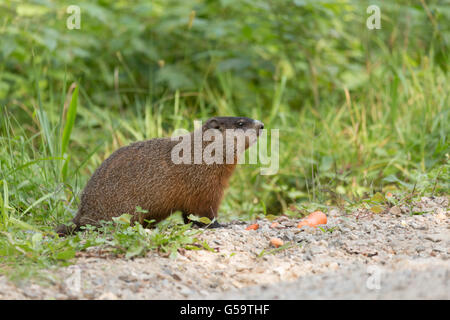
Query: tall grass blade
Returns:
{"type": "Point", "coordinates": [4, 204]}
{"type": "Point", "coordinates": [70, 120]}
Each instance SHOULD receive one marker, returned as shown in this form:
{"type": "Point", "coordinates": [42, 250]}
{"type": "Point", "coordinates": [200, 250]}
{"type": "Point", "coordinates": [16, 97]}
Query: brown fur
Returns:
{"type": "Point", "coordinates": [143, 174]}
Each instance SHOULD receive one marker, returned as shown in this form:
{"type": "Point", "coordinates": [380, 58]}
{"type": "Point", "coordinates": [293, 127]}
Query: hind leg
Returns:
{"type": "Point", "coordinates": [62, 230]}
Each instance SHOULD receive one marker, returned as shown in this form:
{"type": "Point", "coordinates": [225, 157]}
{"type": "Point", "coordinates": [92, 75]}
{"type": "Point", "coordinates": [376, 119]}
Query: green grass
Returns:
{"type": "Point", "coordinates": [359, 114]}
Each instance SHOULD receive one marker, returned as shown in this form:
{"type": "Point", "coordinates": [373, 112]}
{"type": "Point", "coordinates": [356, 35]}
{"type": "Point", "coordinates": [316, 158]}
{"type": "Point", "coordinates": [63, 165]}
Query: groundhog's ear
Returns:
{"type": "Point", "coordinates": [213, 124]}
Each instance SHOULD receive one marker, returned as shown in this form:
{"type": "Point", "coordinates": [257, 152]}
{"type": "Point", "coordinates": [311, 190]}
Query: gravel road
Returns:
{"type": "Point", "coordinates": [390, 255]}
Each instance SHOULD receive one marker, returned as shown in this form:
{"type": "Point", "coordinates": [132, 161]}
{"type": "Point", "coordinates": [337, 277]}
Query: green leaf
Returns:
{"type": "Point", "coordinates": [123, 219]}
{"type": "Point", "coordinates": [192, 247]}
{"type": "Point", "coordinates": [207, 247]}
{"type": "Point", "coordinates": [173, 253]}
{"type": "Point", "coordinates": [377, 198]}
{"type": "Point", "coordinates": [205, 220]}
{"type": "Point", "coordinates": [377, 209]}
{"type": "Point", "coordinates": [66, 255]}
{"type": "Point", "coordinates": [134, 251]}
{"type": "Point", "coordinates": [36, 239]}
{"type": "Point", "coordinates": [326, 163]}
{"type": "Point", "coordinates": [140, 210]}
{"type": "Point", "coordinates": [193, 218]}
{"type": "Point", "coordinates": [70, 120]}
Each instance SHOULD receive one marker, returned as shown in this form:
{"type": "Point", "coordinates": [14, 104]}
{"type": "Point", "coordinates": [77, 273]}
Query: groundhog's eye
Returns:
{"type": "Point", "coordinates": [240, 124]}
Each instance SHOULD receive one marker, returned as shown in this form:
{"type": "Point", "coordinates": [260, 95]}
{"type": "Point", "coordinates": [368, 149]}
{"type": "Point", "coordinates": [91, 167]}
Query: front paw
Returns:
{"type": "Point", "coordinates": [212, 225]}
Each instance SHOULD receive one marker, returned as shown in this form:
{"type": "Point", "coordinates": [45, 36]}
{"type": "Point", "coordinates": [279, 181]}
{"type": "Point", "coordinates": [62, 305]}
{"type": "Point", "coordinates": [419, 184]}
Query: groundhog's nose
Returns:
{"type": "Point", "coordinates": [259, 125]}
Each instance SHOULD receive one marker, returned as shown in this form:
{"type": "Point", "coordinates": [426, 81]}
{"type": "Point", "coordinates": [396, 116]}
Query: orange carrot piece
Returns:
{"type": "Point", "coordinates": [252, 227]}
{"type": "Point", "coordinates": [276, 242]}
{"type": "Point", "coordinates": [274, 225]}
{"type": "Point", "coordinates": [314, 219]}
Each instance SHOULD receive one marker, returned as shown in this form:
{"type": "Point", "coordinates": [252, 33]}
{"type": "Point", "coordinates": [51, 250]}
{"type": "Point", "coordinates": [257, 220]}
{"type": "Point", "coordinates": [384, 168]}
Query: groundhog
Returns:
{"type": "Point", "coordinates": [145, 174]}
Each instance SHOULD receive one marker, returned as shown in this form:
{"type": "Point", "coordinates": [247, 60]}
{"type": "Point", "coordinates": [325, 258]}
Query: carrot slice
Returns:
{"type": "Point", "coordinates": [252, 227]}
{"type": "Point", "coordinates": [313, 219]}
{"type": "Point", "coordinates": [274, 225]}
{"type": "Point", "coordinates": [276, 242]}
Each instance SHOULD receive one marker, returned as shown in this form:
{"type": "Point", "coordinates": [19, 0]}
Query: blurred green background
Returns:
{"type": "Point", "coordinates": [359, 110]}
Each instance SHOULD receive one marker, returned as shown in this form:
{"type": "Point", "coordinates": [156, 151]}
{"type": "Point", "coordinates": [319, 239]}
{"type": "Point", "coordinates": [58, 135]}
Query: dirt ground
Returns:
{"type": "Point", "coordinates": [390, 255]}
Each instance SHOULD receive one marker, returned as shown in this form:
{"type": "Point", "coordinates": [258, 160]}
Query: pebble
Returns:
{"type": "Point", "coordinates": [433, 238]}
{"type": "Point", "coordinates": [333, 266]}
{"type": "Point", "coordinates": [107, 296]}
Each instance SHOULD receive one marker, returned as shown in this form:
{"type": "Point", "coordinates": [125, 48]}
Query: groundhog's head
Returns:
{"type": "Point", "coordinates": [237, 133]}
{"type": "Point", "coordinates": [243, 123]}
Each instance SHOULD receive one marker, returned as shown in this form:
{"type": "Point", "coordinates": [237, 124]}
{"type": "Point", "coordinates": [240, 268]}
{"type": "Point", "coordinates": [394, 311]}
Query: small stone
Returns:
{"type": "Point", "coordinates": [440, 214]}
{"type": "Point", "coordinates": [107, 296]}
{"type": "Point", "coordinates": [420, 248]}
{"type": "Point", "coordinates": [333, 266]}
{"type": "Point", "coordinates": [127, 278]}
{"type": "Point", "coordinates": [433, 238]}
{"type": "Point", "coordinates": [395, 210]}
{"type": "Point", "coordinates": [176, 277]}
{"type": "Point", "coordinates": [185, 291]}
{"type": "Point", "coordinates": [90, 294]}
{"type": "Point", "coordinates": [307, 256]}
{"type": "Point", "coordinates": [259, 270]}
{"type": "Point", "coordinates": [323, 243]}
